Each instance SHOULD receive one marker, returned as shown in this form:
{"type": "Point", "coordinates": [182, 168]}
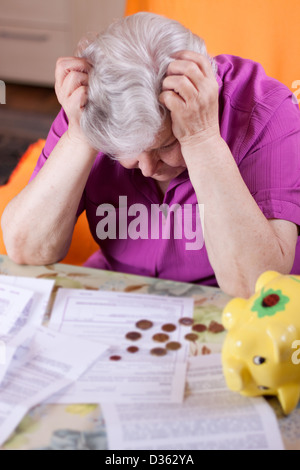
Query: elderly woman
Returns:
{"type": "Point", "coordinates": [148, 120]}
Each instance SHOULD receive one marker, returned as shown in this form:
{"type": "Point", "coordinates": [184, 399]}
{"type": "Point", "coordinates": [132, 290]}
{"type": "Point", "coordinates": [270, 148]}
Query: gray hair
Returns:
{"type": "Point", "coordinates": [123, 114]}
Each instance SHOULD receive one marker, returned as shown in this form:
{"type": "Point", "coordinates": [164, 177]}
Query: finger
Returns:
{"type": "Point", "coordinates": [81, 95]}
{"type": "Point", "coordinates": [78, 100]}
{"type": "Point", "coordinates": [181, 85]}
{"type": "Point", "coordinates": [171, 100]}
{"type": "Point", "coordinates": [73, 81]}
{"type": "Point", "coordinates": [188, 69]}
{"type": "Point", "coordinates": [201, 60]}
{"type": "Point", "coordinates": [65, 65]}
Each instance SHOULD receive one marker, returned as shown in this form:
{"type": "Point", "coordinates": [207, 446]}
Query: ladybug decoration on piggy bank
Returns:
{"type": "Point", "coordinates": [259, 355]}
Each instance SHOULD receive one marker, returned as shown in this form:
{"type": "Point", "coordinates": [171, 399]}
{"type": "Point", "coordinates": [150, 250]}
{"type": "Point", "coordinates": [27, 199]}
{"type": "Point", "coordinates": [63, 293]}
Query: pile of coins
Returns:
{"type": "Point", "coordinates": [161, 337]}
{"type": "Point", "coordinates": [164, 338]}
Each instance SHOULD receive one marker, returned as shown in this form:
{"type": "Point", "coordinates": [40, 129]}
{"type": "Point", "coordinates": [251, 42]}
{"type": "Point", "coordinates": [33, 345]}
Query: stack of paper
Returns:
{"type": "Point", "coordinates": [211, 417]}
{"type": "Point", "coordinates": [130, 353]}
{"type": "Point", "coordinates": [36, 362]}
{"type": "Point", "coordinates": [20, 306]}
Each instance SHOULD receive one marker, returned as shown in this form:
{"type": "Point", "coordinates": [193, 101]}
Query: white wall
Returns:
{"type": "Point", "coordinates": [94, 15]}
{"type": "Point", "coordinates": [34, 33]}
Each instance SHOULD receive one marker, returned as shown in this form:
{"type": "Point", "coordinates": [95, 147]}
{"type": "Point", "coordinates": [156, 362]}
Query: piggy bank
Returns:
{"type": "Point", "coordinates": [259, 355]}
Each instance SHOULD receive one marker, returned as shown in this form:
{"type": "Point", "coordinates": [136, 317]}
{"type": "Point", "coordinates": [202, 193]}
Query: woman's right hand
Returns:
{"type": "Point", "coordinates": [71, 87]}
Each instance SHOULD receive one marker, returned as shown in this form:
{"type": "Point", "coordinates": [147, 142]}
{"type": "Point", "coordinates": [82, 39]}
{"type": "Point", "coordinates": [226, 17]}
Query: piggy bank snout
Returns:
{"type": "Point", "coordinates": [236, 374]}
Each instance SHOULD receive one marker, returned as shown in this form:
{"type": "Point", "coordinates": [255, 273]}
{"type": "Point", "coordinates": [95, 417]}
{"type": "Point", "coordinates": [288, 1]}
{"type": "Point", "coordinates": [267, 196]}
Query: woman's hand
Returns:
{"type": "Point", "coordinates": [190, 92]}
{"type": "Point", "coordinates": [71, 87]}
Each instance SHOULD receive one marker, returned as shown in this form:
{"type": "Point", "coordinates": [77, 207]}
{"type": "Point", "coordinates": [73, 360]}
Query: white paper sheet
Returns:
{"type": "Point", "coordinates": [36, 308]}
{"type": "Point", "coordinates": [13, 301]}
{"type": "Point", "coordinates": [106, 317]}
{"type": "Point", "coordinates": [32, 314]}
{"type": "Point", "coordinates": [53, 360]}
{"type": "Point", "coordinates": [211, 417]}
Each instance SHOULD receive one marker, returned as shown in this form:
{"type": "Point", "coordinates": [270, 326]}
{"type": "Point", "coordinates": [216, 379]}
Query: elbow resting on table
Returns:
{"type": "Point", "coordinates": [238, 279]}
{"type": "Point", "coordinates": [240, 282]}
{"type": "Point", "coordinates": [24, 252]}
{"type": "Point", "coordinates": [236, 287]}
{"type": "Point", "coordinates": [37, 257]}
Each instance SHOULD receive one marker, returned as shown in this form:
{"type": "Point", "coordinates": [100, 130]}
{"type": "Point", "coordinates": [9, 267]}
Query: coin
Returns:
{"type": "Point", "coordinates": [169, 327]}
{"type": "Point", "coordinates": [215, 327]}
{"type": "Point", "coordinates": [132, 349]}
{"type": "Point", "coordinates": [186, 321]}
{"type": "Point", "coordinates": [191, 337]}
{"type": "Point", "coordinates": [205, 351]}
{"type": "Point", "coordinates": [144, 324]}
{"type": "Point", "coordinates": [133, 335]}
{"type": "Point", "coordinates": [199, 327]}
{"type": "Point", "coordinates": [160, 337]}
{"type": "Point", "coordinates": [200, 301]}
{"type": "Point", "coordinates": [173, 345]}
{"type": "Point", "coordinates": [158, 352]}
{"type": "Point", "coordinates": [115, 358]}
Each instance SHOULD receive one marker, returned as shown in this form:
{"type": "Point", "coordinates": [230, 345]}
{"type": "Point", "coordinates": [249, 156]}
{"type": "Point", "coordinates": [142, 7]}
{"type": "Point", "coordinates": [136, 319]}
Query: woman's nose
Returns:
{"type": "Point", "coordinates": [147, 163]}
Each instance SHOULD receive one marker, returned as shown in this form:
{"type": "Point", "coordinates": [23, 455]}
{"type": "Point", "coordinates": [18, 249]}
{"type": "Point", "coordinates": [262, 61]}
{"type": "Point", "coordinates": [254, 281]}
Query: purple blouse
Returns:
{"type": "Point", "coordinates": [259, 120]}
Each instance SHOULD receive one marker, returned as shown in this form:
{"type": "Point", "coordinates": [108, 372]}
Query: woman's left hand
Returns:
{"type": "Point", "coordinates": [190, 92]}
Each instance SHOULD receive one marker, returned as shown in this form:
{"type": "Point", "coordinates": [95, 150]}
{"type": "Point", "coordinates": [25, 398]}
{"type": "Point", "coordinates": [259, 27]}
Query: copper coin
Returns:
{"type": "Point", "coordinates": [191, 337]}
{"type": "Point", "coordinates": [144, 324]}
{"type": "Point", "coordinates": [215, 327]}
{"type": "Point", "coordinates": [115, 358]}
{"type": "Point", "coordinates": [158, 351]}
{"type": "Point", "coordinates": [160, 337]}
{"type": "Point", "coordinates": [205, 351]}
{"type": "Point", "coordinates": [169, 327]}
{"type": "Point", "coordinates": [173, 345]}
{"type": "Point", "coordinates": [199, 327]}
{"type": "Point", "coordinates": [200, 301]}
{"type": "Point", "coordinates": [133, 335]}
{"type": "Point", "coordinates": [186, 321]}
{"type": "Point", "coordinates": [132, 349]}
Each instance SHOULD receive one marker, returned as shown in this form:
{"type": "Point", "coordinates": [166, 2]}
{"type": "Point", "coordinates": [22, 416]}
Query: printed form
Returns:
{"type": "Point", "coordinates": [130, 371]}
{"type": "Point", "coordinates": [211, 417]}
{"type": "Point", "coordinates": [52, 361]}
{"type": "Point", "coordinates": [35, 294]}
{"type": "Point", "coordinates": [13, 301]}
{"type": "Point", "coordinates": [41, 290]}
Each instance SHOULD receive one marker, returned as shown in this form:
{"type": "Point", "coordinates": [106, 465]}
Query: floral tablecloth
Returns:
{"type": "Point", "coordinates": [81, 427]}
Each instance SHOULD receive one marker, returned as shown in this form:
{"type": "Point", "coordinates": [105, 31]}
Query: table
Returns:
{"type": "Point", "coordinates": [81, 427]}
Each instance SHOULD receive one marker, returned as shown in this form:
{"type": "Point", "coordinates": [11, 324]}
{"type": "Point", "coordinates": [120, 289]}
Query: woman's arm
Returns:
{"type": "Point", "coordinates": [38, 223]}
{"type": "Point", "coordinates": [241, 243]}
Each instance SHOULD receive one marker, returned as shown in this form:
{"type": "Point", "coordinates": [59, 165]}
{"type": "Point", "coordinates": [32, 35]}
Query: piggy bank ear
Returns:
{"type": "Point", "coordinates": [233, 312]}
{"type": "Point", "coordinates": [282, 337]}
{"type": "Point", "coordinates": [288, 396]}
{"type": "Point", "coordinates": [265, 278]}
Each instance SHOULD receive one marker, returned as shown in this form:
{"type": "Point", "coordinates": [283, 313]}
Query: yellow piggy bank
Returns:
{"type": "Point", "coordinates": [261, 352]}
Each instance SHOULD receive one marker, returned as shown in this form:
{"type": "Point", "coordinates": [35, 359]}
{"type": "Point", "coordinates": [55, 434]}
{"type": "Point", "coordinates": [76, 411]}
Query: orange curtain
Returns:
{"type": "Point", "coordinates": [266, 31]}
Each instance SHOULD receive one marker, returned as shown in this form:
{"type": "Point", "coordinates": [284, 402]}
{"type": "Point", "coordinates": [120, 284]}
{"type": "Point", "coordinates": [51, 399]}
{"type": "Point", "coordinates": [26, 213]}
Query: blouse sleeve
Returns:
{"type": "Point", "coordinates": [271, 165]}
